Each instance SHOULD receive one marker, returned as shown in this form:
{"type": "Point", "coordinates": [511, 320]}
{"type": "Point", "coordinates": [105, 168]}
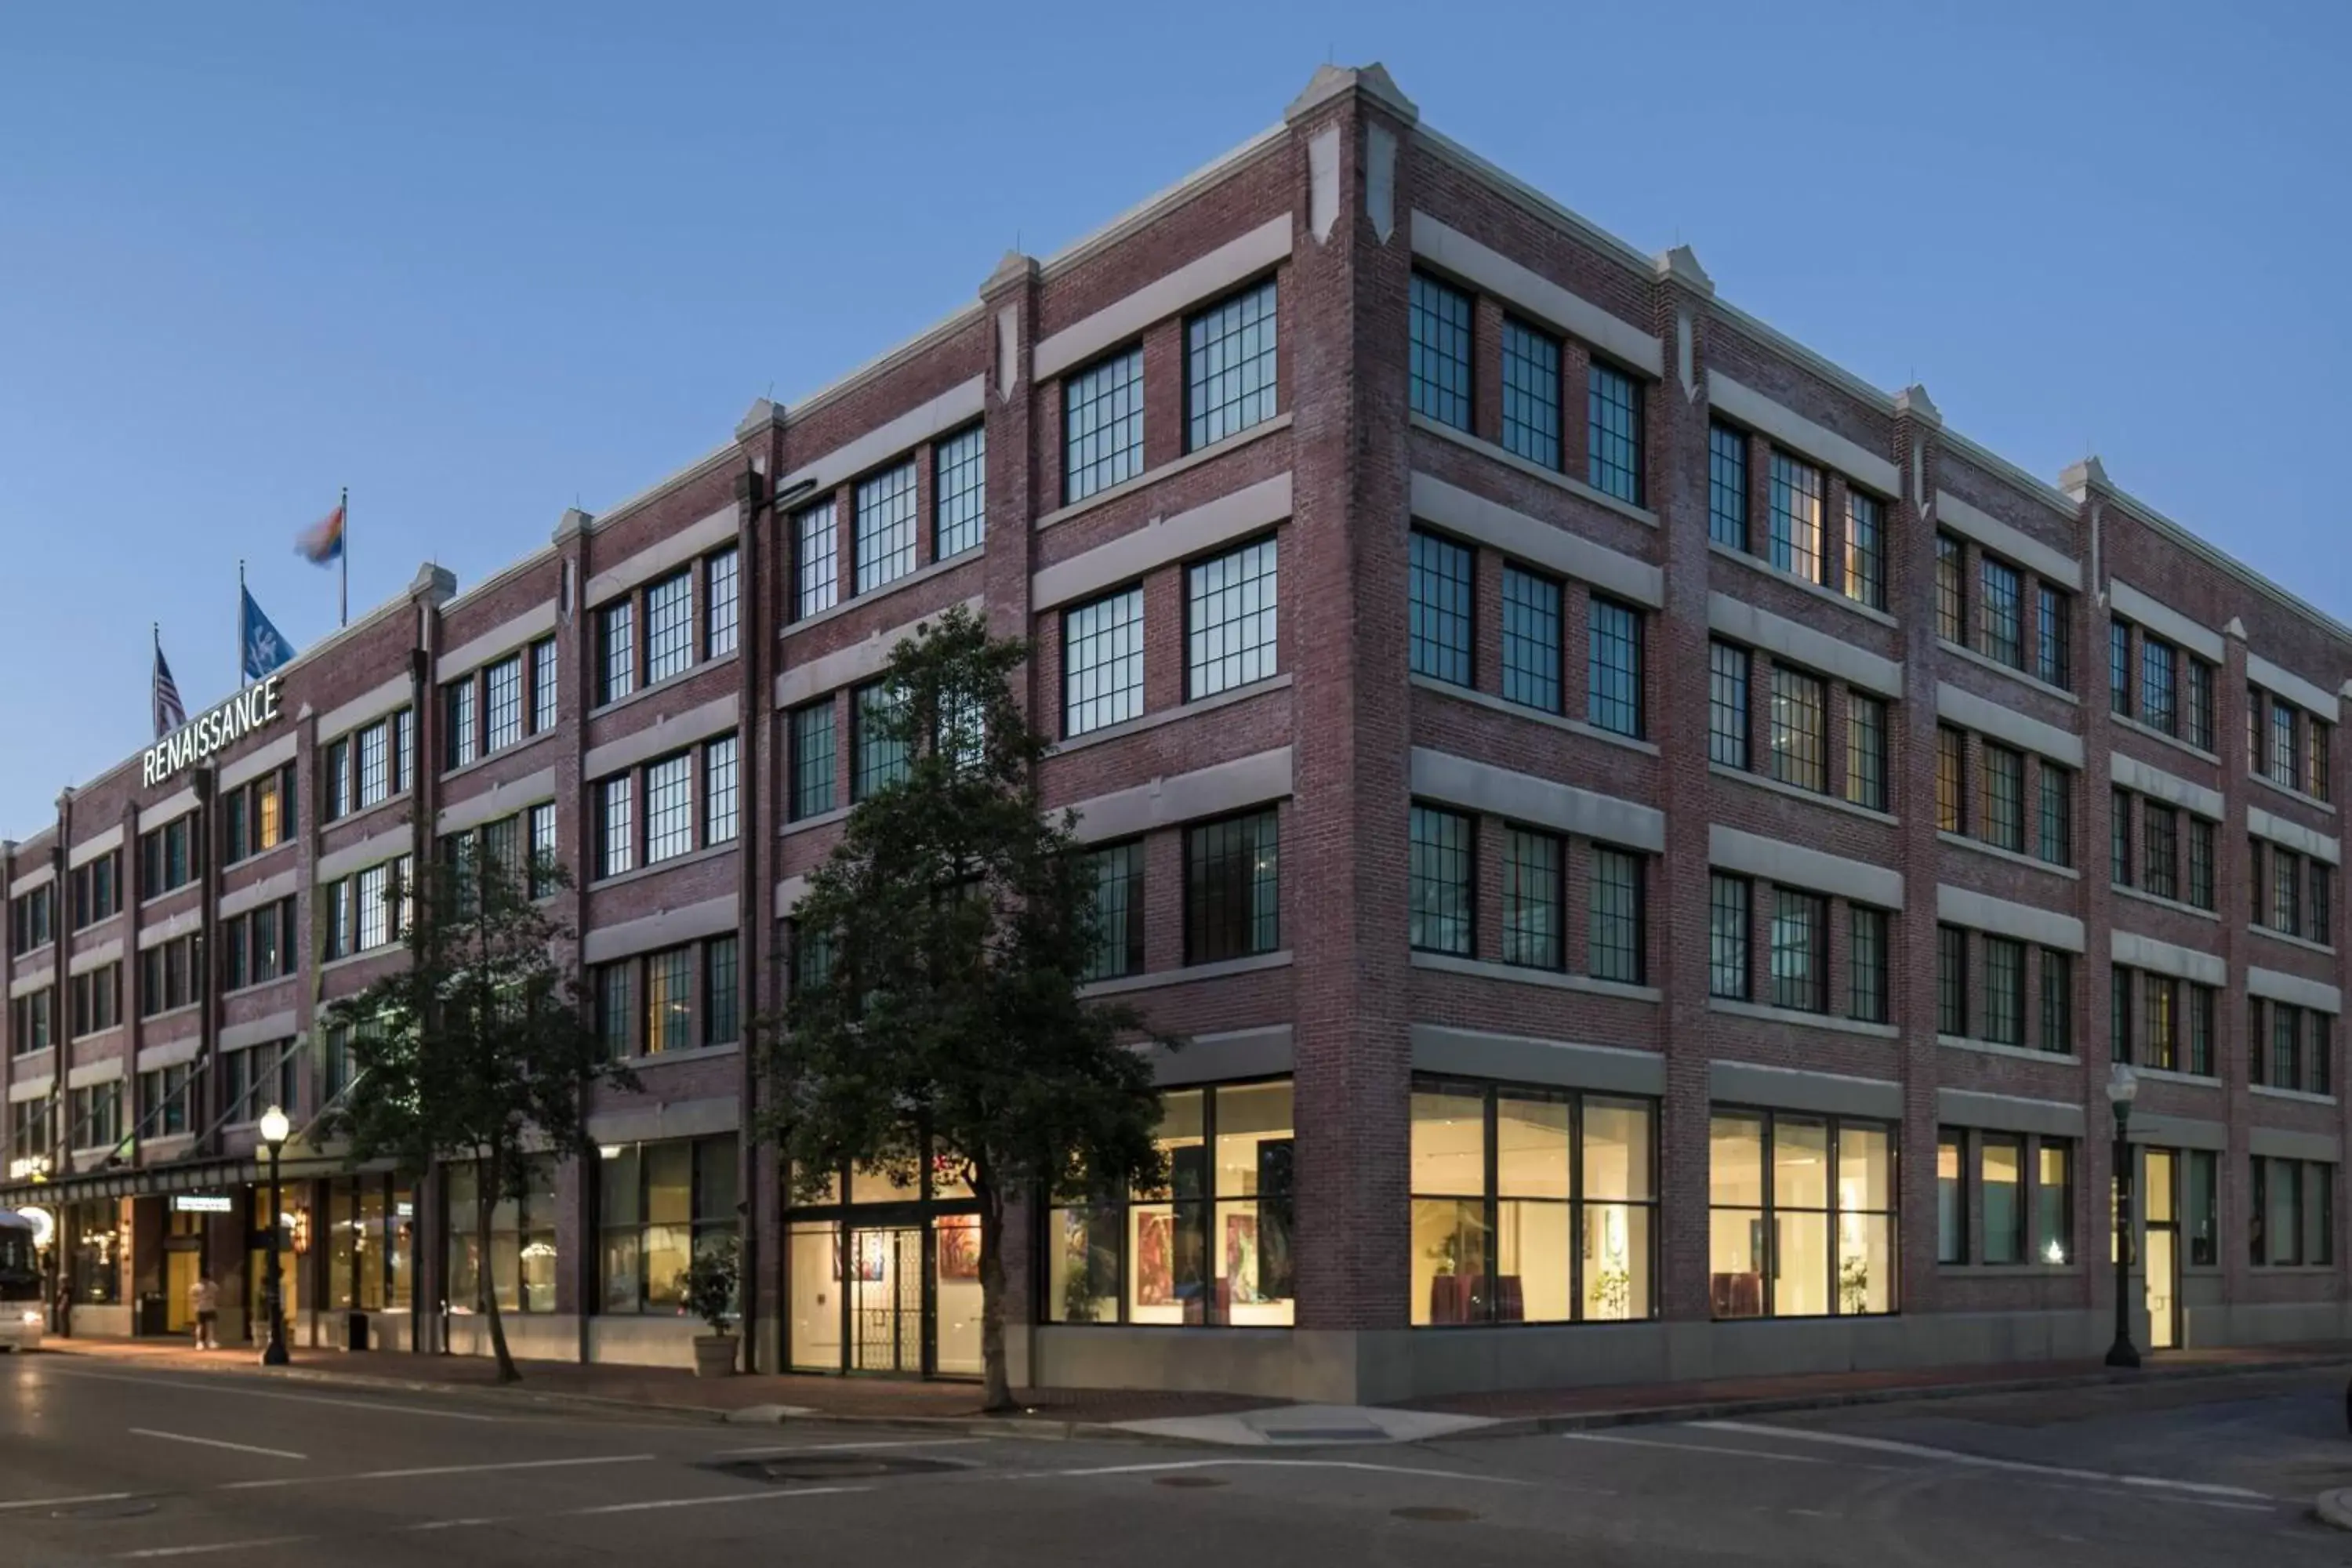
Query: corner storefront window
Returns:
{"type": "Point", "coordinates": [1801, 1215]}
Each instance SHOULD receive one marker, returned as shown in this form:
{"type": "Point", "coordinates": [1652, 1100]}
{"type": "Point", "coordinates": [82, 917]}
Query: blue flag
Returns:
{"type": "Point", "coordinates": [265, 650]}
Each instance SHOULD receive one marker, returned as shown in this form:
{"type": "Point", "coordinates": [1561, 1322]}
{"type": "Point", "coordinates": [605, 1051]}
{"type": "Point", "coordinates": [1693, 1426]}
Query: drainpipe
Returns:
{"type": "Point", "coordinates": [754, 731]}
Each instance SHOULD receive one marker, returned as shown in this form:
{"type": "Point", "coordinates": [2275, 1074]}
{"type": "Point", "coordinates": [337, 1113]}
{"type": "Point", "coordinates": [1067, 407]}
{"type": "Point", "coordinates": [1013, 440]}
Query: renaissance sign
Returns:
{"type": "Point", "coordinates": [233, 720]}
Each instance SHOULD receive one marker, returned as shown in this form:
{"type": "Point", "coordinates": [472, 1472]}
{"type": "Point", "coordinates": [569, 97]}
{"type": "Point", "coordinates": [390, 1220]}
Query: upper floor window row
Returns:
{"type": "Point", "coordinates": [658, 812]}
{"type": "Point", "coordinates": [885, 514]}
{"type": "Point", "coordinates": [1995, 615]}
{"type": "Point", "coordinates": [1230, 616]}
{"type": "Point", "coordinates": [1795, 738]}
{"type": "Point", "coordinates": [1797, 507]}
{"type": "Point", "coordinates": [2164, 686]}
{"type": "Point", "coordinates": [33, 920]}
{"type": "Point", "coordinates": [258, 815]}
{"type": "Point", "coordinates": [651, 634]}
{"type": "Point", "coordinates": [2286, 745]}
{"type": "Point", "coordinates": [170, 856]}
{"type": "Point", "coordinates": [1534, 631]}
{"type": "Point", "coordinates": [368, 766]}
{"type": "Point", "coordinates": [97, 887]}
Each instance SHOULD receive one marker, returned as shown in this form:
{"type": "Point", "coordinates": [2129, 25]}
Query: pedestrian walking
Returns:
{"type": "Point", "coordinates": [204, 1300]}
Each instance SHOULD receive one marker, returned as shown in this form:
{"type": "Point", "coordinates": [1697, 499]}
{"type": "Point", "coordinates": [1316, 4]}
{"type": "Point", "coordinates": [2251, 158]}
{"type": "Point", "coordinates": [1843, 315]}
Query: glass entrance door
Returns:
{"type": "Point", "coordinates": [2160, 1254]}
{"type": "Point", "coordinates": [885, 1301]}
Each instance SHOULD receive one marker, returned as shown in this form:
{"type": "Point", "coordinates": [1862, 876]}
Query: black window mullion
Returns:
{"type": "Point", "coordinates": [1494, 1213]}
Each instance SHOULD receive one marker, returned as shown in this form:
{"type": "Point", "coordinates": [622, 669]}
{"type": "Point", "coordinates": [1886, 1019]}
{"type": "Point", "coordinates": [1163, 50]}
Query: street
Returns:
{"type": "Point", "coordinates": [103, 1463]}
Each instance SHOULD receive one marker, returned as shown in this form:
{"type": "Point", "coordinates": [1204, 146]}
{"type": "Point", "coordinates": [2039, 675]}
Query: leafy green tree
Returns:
{"type": "Point", "coordinates": [940, 953]}
{"type": "Point", "coordinates": [479, 1048]}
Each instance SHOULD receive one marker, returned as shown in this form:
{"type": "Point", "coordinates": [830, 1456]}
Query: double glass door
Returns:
{"type": "Point", "coordinates": [897, 1297]}
{"type": "Point", "coordinates": [2160, 1252]}
{"type": "Point", "coordinates": [885, 1301]}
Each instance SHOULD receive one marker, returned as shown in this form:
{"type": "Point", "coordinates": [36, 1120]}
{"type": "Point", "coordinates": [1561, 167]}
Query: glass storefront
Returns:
{"type": "Point", "coordinates": [659, 1205]}
{"type": "Point", "coordinates": [370, 1242]}
{"type": "Point", "coordinates": [889, 1282]}
{"type": "Point", "coordinates": [1801, 1216]}
{"type": "Point", "coordinates": [98, 1241]}
{"type": "Point", "coordinates": [521, 1242]}
{"type": "Point", "coordinates": [1214, 1246]}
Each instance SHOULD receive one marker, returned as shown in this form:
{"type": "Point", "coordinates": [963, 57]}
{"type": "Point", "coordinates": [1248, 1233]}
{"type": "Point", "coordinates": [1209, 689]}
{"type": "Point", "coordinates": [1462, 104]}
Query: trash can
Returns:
{"type": "Point", "coordinates": [355, 1331]}
{"type": "Point", "coordinates": [154, 1316]}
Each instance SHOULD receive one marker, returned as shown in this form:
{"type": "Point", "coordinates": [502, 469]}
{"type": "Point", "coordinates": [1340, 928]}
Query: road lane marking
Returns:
{"type": "Point", "coordinates": [435, 1471]}
{"type": "Point", "coordinates": [223, 1383]}
{"type": "Point", "coordinates": [708, 1502]}
{"type": "Point", "coordinates": [217, 1443]}
{"type": "Point", "coordinates": [1267, 1464]}
{"type": "Point", "coordinates": [215, 1546]}
{"type": "Point", "coordinates": [65, 1501]}
{"type": "Point", "coordinates": [1716, 1449]}
{"type": "Point", "coordinates": [844, 1447]}
{"type": "Point", "coordinates": [1980, 1461]}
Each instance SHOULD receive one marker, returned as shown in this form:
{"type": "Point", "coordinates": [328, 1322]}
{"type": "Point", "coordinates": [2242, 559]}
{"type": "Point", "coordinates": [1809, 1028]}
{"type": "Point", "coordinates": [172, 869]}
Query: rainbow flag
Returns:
{"type": "Point", "coordinates": [323, 541]}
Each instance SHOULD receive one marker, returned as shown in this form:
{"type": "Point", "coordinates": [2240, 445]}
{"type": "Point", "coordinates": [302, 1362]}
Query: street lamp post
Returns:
{"type": "Point", "coordinates": [274, 1130]}
{"type": "Point", "coordinates": [2123, 1087]}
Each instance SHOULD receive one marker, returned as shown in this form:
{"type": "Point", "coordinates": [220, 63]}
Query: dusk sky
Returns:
{"type": "Point", "coordinates": [484, 263]}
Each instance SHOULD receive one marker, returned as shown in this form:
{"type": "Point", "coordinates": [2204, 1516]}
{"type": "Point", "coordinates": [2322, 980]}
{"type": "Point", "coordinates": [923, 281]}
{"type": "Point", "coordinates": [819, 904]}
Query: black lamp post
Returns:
{"type": "Point", "coordinates": [2123, 1087]}
{"type": "Point", "coordinates": [275, 1129]}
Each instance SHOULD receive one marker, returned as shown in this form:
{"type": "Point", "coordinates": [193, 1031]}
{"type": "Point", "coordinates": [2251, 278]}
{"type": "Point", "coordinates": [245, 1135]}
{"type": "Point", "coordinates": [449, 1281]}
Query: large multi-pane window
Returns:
{"type": "Point", "coordinates": [2056, 818]}
{"type": "Point", "coordinates": [722, 990]}
{"type": "Point", "coordinates": [1866, 549]}
{"type": "Point", "coordinates": [502, 683]}
{"type": "Point", "coordinates": [256, 817]}
{"type": "Point", "coordinates": [460, 739]}
{"type": "Point", "coordinates": [1530, 393]}
{"type": "Point", "coordinates": [1800, 729]}
{"type": "Point", "coordinates": [2001, 1184]}
{"type": "Point", "coordinates": [2160, 849]}
{"type": "Point", "coordinates": [959, 491]}
{"type": "Point", "coordinates": [1726, 705]}
{"type": "Point", "coordinates": [543, 685]}
{"type": "Point", "coordinates": [1951, 1196]}
{"type": "Point", "coordinates": [1729, 900]}
{"type": "Point", "coordinates": [2119, 839]}
{"type": "Point", "coordinates": [1531, 1205]}
{"type": "Point", "coordinates": [1801, 1215]}
{"type": "Point", "coordinates": [517, 1259]}
{"type": "Point", "coordinates": [1530, 639]}
{"type": "Point", "coordinates": [1439, 591]}
{"type": "Point", "coordinates": [669, 1001]}
{"type": "Point", "coordinates": [1613, 670]}
{"type": "Point", "coordinates": [1796, 517]}
{"type": "Point", "coordinates": [882, 757]}
{"type": "Point", "coordinates": [723, 596]}
{"type": "Point", "coordinates": [1439, 380]}
{"type": "Point", "coordinates": [886, 526]}
{"type": "Point", "coordinates": [538, 823]}
{"type": "Point", "coordinates": [1726, 486]}
{"type": "Point", "coordinates": [1999, 611]}
{"type": "Point", "coordinates": [255, 1079]}
{"type": "Point", "coordinates": [2004, 797]}
{"type": "Point", "coordinates": [2200, 862]}
{"type": "Point", "coordinates": [1867, 964]}
{"type": "Point", "coordinates": [33, 917]}
{"type": "Point", "coordinates": [32, 1021]}
{"type": "Point", "coordinates": [1951, 770]}
{"type": "Point", "coordinates": [617, 839]}
{"type": "Point", "coordinates": [1866, 750]}
{"type": "Point", "coordinates": [2054, 638]}
{"type": "Point", "coordinates": [2004, 1004]}
{"type": "Point", "coordinates": [1801, 950]}
{"type": "Point", "coordinates": [1534, 929]}
{"type": "Point", "coordinates": [816, 567]}
{"type": "Point", "coordinates": [170, 976]}
{"type": "Point", "coordinates": [669, 626]}
{"type": "Point", "coordinates": [719, 791]}
{"type": "Point", "coordinates": [813, 759]}
{"type": "Point", "coordinates": [1951, 981]}
{"type": "Point", "coordinates": [1232, 889]}
{"type": "Point", "coordinates": [1614, 939]}
{"type": "Point", "coordinates": [2295, 1213]}
{"type": "Point", "coordinates": [1229, 365]}
{"type": "Point", "coordinates": [2316, 734]}
{"type": "Point", "coordinates": [1115, 877]}
{"type": "Point", "coordinates": [669, 808]}
{"type": "Point", "coordinates": [1229, 606]}
{"type": "Point", "coordinates": [1443, 845]}
{"type": "Point", "coordinates": [1102, 424]}
{"type": "Point", "coordinates": [615, 987]}
{"type": "Point", "coordinates": [616, 662]}
{"type": "Point", "coordinates": [2198, 731]}
{"type": "Point", "coordinates": [2286, 757]}
{"type": "Point", "coordinates": [659, 1206]}
{"type": "Point", "coordinates": [1102, 662]}
{"type": "Point", "coordinates": [1613, 420]}
{"type": "Point", "coordinates": [1952, 601]}
{"type": "Point", "coordinates": [2057, 1002]}
{"type": "Point", "coordinates": [2120, 667]}
{"type": "Point", "coordinates": [2157, 706]}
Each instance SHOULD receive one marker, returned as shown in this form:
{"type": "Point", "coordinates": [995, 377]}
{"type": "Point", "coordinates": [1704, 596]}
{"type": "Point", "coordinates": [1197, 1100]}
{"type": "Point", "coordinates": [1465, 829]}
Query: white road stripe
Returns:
{"type": "Point", "coordinates": [224, 1384]}
{"type": "Point", "coordinates": [710, 1501]}
{"type": "Point", "coordinates": [434, 1470]}
{"type": "Point", "coordinates": [1267, 1464]}
{"type": "Point", "coordinates": [1979, 1461]}
{"type": "Point", "coordinates": [64, 1501]}
{"type": "Point", "coordinates": [214, 1546]}
{"type": "Point", "coordinates": [217, 1443]}
{"type": "Point", "coordinates": [1712, 1449]}
{"type": "Point", "coordinates": [845, 1447]}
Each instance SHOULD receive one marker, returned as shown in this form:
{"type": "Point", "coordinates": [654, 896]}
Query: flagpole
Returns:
{"type": "Point", "coordinates": [345, 555]}
{"type": "Point", "coordinates": [241, 623]}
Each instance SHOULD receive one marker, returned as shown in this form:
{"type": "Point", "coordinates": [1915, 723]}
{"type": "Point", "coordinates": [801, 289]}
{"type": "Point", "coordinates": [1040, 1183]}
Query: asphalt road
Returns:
{"type": "Point", "coordinates": [102, 1463]}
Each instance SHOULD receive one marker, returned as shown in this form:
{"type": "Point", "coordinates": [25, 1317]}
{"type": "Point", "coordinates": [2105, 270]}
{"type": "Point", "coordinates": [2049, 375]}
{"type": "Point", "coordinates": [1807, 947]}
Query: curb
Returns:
{"type": "Point", "coordinates": [1723, 1409]}
{"type": "Point", "coordinates": [2334, 1508]}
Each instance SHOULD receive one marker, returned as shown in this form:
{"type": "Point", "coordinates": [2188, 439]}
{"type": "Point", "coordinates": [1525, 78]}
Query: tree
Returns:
{"type": "Point", "coordinates": [941, 953]}
{"type": "Point", "coordinates": [479, 1049]}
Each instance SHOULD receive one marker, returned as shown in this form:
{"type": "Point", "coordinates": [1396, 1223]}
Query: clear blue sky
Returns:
{"type": "Point", "coordinates": [482, 262]}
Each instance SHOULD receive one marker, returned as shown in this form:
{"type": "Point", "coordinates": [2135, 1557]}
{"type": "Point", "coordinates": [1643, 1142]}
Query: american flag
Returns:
{"type": "Point", "coordinates": [169, 714]}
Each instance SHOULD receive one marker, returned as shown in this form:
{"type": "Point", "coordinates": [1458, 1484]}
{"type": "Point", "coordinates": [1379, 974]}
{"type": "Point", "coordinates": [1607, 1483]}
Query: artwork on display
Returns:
{"type": "Point", "coordinates": [959, 1247]}
{"type": "Point", "coordinates": [1155, 1249]}
{"type": "Point", "coordinates": [873, 1257]}
{"type": "Point", "coordinates": [1241, 1257]}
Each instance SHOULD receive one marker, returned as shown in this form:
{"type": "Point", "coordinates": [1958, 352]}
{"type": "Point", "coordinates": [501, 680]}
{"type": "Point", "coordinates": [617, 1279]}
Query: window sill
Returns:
{"type": "Point", "coordinates": [2283, 938]}
{"type": "Point", "coordinates": [1770, 1014]}
{"type": "Point", "coordinates": [452, 775]}
{"type": "Point", "coordinates": [810, 824]}
{"type": "Point", "coordinates": [2303, 1096]}
{"type": "Point", "coordinates": [2163, 903]}
{"type": "Point", "coordinates": [2296, 795]}
{"type": "Point", "coordinates": [2014, 857]}
{"type": "Point", "coordinates": [2010, 1270]}
{"type": "Point", "coordinates": [2166, 1074]}
{"type": "Point", "coordinates": [1524, 975]}
{"type": "Point", "coordinates": [1764, 568]}
{"type": "Point", "coordinates": [1127, 727]}
{"type": "Point", "coordinates": [386, 804]}
{"type": "Point", "coordinates": [331, 965]}
{"type": "Point", "coordinates": [693, 857]}
{"type": "Point", "coordinates": [170, 1014]}
{"type": "Point", "coordinates": [257, 856]}
{"type": "Point", "coordinates": [251, 987]}
{"type": "Point", "coordinates": [94, 1035]}
{"type": "Point", "coordinates": [1986, 661]}
{"type": "Point", "coordinates": [1765, 782]}
{"type": "Point", "coordinates": [664, 1059]}
{"type": "Point", "coordinates": [22, 1058]}
{"type": "Point", "coordinates": [151, 899]}
{"type": "Point", "coordinates": [1152, 979]}
{"type": "Point", "coordinates": [2021, 1053]}
{"type": "Point", "coordinates": [1169, 470]}
{"type": "Point", "coordinates": [2153, 734]}
{"type": "Point", "coordinates": [841, 607]}
{"type": "Point", "coordinates": [1535, 470]}
{"type": "Point", "coordinates": [95, 928]}
{"type": "Point", "coordinates": [667, 683]}
{"type": "Point", "coordinates": [1536, 715]}
{"type": "Point", "coordinates": [47, 948]}
{"type": "Point", "coordinates": [2262, 1270]}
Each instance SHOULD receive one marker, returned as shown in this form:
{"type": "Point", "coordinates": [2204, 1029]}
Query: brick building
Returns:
{"type": "Point", "coordinates": [1652, 894]}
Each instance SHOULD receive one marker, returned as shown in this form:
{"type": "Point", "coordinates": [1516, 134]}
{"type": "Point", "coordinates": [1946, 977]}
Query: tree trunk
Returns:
{"type": "Point", "coordinates": [996, 1385]}
{"type": "Point", "coordinates": [486, 1197]}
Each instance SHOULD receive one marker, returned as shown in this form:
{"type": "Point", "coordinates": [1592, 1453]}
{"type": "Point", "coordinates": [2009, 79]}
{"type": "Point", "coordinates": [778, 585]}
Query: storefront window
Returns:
{"type": "Point", "coordinates": [1801, 1215]}
{"type": "Point", "coordinates": [97, 1250]}
{"type": "Point", "coordinates": [520, 1245]}
{"type": "Point", "coordinates": [660, 1204]}
{"type": "Point", "coordinates": [1212, 1245]}
{"type": "Point", "coordinates": [1510, 1224]}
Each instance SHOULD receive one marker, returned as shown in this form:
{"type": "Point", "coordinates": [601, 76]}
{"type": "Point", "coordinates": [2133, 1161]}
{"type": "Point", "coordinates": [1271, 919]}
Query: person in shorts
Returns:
{"type": "Point", "coordinates": [204, 1299]}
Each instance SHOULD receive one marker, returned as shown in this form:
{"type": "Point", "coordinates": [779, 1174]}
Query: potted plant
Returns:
{"type": "Point", "coordinates": [708, 1289]}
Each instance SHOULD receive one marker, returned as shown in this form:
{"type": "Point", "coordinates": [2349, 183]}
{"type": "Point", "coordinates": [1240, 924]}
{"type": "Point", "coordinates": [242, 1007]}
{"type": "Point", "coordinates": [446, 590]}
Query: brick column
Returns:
{"type": "Point", "coordinates": [1911, 597]}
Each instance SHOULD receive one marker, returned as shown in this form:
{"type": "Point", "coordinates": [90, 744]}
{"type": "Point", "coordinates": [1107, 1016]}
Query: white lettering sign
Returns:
{"type": "Point", "coordinates": [224, 726]}
{"type": "Point", "coordinates": [199, 1202]}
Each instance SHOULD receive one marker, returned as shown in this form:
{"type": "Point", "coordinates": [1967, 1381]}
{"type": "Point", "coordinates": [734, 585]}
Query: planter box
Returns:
{"type": "Point", "coordinates": [714, 1355]}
